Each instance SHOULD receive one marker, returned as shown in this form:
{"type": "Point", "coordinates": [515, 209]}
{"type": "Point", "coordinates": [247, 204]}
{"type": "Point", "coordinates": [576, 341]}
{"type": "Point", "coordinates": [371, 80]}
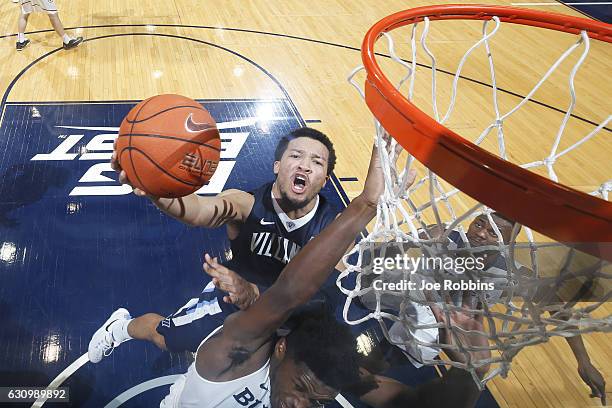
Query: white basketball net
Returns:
{"type": "Point", "coordinates": [521, 310]}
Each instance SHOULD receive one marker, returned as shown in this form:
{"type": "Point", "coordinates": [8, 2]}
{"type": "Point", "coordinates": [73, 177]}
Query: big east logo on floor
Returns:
{"type": "Point", "coordinates": [84, 134]}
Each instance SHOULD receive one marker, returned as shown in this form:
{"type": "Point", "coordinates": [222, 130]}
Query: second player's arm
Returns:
{"type": "Point", "coordinates": [246, 331]}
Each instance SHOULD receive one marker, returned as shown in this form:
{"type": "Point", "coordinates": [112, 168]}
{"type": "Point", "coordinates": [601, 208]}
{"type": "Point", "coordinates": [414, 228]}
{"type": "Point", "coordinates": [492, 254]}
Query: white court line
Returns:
{"type": "Point", "coordinates": [343, 402]}
{"type": "Point", "coordinates": [132, 392]}
{"type": "Point", "coordinates": [168, 380]}
{"type": "Point", "coordinates": [140, 388]}
{"type": "Point", "coordinates": [221, 125]}
{"type": "Point", "coordinates": [563, 4]}
{"type": "Point", "coordinates": [112, 129]}
{"type": "Point", "coordinates": [61, 377]}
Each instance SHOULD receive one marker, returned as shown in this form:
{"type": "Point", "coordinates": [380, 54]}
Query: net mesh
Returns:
{"type": "Point", "coordinates": [411, 270]}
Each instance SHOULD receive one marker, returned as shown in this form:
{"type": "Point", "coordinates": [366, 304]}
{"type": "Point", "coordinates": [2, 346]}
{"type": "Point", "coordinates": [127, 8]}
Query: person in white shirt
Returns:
{"type": "Point", "coordinates": [48, 7]}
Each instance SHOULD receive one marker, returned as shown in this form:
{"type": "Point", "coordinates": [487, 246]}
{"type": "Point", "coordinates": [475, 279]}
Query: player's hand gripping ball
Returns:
{"type": "Point", "coordinates": [168, 146]}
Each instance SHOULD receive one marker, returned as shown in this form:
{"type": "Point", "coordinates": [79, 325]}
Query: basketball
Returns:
{"type": "Point", "coordinates": [168, 145]}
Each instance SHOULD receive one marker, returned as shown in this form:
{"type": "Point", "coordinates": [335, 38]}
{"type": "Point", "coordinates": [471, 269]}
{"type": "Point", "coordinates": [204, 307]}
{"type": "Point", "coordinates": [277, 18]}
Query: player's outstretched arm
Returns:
{"type": "Point", "coordinates": [212, 212]}
{"type": "Point", "coordinates": [586, 370]}
{"type": "Point", "coordinates": [245, 332]}
{"type": "Point", "coordinates": [374, 182]}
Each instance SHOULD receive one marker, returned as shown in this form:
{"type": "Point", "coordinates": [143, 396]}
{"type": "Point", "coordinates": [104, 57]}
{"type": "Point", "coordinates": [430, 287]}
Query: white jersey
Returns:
{"type": "Point", "coordinates": [404, 337]}
{"type": "Point", "coordinates": [44, 6]}
{"type": "Point", "coordinates": [192, 390]}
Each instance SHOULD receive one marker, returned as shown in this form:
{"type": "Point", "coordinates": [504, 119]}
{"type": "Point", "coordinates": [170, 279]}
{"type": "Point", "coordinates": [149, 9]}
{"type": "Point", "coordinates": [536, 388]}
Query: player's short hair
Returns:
{"type": "Point", "coordinates": [329, 350]}
{"type": "Point", "coordinates": [313, 134]}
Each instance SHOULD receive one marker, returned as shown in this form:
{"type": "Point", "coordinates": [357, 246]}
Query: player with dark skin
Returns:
{"type": "Point", "coordinates": [246, 340]}
{"type": "Point", "coordinates": [304, 159]}
{"type": "Point", "coordinates": [481, 233]}
{"type": "Point", "coordinates": [456, 388]}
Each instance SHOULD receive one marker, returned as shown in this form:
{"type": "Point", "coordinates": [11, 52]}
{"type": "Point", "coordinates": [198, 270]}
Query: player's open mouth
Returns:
{"type": "Point", "coordinates": [299, 184]}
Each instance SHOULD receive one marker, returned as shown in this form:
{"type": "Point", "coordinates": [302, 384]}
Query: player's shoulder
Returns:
{"type": "Point", "coordinates": [239, 198]}
{"type": "Point", "coordinates": [234, 192]}
{"type": "Point", "coordinates": [262, 193]}
{"type": "Point", "coordinates": [231, 352]}
{"type": "Point", "coordinates": [327, 209]}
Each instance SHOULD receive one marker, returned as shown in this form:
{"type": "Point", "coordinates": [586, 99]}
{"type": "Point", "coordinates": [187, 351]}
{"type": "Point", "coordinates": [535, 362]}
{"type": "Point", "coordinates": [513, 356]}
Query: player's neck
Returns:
{"type": "Point", "coordinates": [290, 210]}
{"type": "Point", "coordinates": [295, 213]}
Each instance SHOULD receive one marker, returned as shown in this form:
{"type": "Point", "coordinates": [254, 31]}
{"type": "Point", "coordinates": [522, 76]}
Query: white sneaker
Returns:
{"type": "Point", "coordinates": [102, 342]}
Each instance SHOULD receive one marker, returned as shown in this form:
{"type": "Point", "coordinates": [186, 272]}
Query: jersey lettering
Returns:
{"type": "Point", "coordinates": [273, 246]}
{"type": "Point", "coordinates": [246, 397]}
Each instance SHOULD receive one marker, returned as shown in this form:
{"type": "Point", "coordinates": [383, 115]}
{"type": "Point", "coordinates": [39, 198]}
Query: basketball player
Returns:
{"type": "Point", "coordinates": [243, 363]}
{"type": "Point", "coordinates": [44, 6]}
{"type": "Point", "coordinates": [481, 233]}
{"type": "Point", "coordinates": [266, 229]}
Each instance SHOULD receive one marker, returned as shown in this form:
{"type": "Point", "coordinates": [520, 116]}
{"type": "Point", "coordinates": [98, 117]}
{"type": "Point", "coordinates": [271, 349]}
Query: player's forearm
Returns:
{"type": "Point", "coordinates": [185, 209]}
{"type": "Point", "coordinates": [579, 349]}
{"type": "Point", "coordinates": [300, 279]}
{"type": "Point", "coordinates": [576, 344]}
{"type": "Point", "coordinates": [310, 268]}
{"type": "Point", "coordinates": [209, 212]}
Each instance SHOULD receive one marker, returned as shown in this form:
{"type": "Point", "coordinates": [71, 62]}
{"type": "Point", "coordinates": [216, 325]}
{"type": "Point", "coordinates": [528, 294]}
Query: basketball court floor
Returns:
{"type": "Point", "coordinates": [76, 245]}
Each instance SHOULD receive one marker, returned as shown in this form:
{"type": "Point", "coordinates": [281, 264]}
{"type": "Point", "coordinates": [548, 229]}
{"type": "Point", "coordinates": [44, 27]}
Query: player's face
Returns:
{"type": "Point", "coordinates": [302, 171]}
{"type": "Point", "coordinates": [295, 386]}
{"type": "Point", "coordinates": [481, 232]}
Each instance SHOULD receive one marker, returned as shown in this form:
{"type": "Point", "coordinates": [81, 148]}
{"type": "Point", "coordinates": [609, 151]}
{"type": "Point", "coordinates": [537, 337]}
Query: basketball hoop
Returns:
{"type": "Point", "coordinates": [514, 312]}
{"type": "Point", "coordinates": [444, 151]}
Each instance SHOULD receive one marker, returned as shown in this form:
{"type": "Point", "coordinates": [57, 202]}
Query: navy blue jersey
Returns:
{"type": "Point", "coordinates": [268, 239]}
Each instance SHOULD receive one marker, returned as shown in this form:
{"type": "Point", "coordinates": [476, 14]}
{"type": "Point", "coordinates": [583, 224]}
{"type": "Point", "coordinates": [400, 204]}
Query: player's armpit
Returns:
{"type": "Point", "coordinates": [223, 359]}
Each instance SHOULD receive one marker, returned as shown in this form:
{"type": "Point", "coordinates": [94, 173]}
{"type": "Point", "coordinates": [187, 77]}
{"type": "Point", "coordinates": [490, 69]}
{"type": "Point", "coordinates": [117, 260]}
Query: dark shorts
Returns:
{"type": "Point", "coordinates": [185, 329]}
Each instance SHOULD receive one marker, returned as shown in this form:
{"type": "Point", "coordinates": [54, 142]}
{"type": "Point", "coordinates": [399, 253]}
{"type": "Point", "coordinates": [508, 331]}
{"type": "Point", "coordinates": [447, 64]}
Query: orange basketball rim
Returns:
{"type": "Point", "coordinates": [555, 210]}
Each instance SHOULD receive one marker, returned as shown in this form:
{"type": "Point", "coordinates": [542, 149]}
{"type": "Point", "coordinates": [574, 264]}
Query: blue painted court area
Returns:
{"type": "Point", "coordinates": [600, 10]}
{"type": "Point", "coordinates": [75, 245]}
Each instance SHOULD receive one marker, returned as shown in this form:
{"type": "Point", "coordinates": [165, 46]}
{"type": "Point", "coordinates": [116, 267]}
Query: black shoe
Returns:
{"type": "Point", "coordinates": [21, 45]}
{"type": "Point", "coordinates": [73, 43]}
